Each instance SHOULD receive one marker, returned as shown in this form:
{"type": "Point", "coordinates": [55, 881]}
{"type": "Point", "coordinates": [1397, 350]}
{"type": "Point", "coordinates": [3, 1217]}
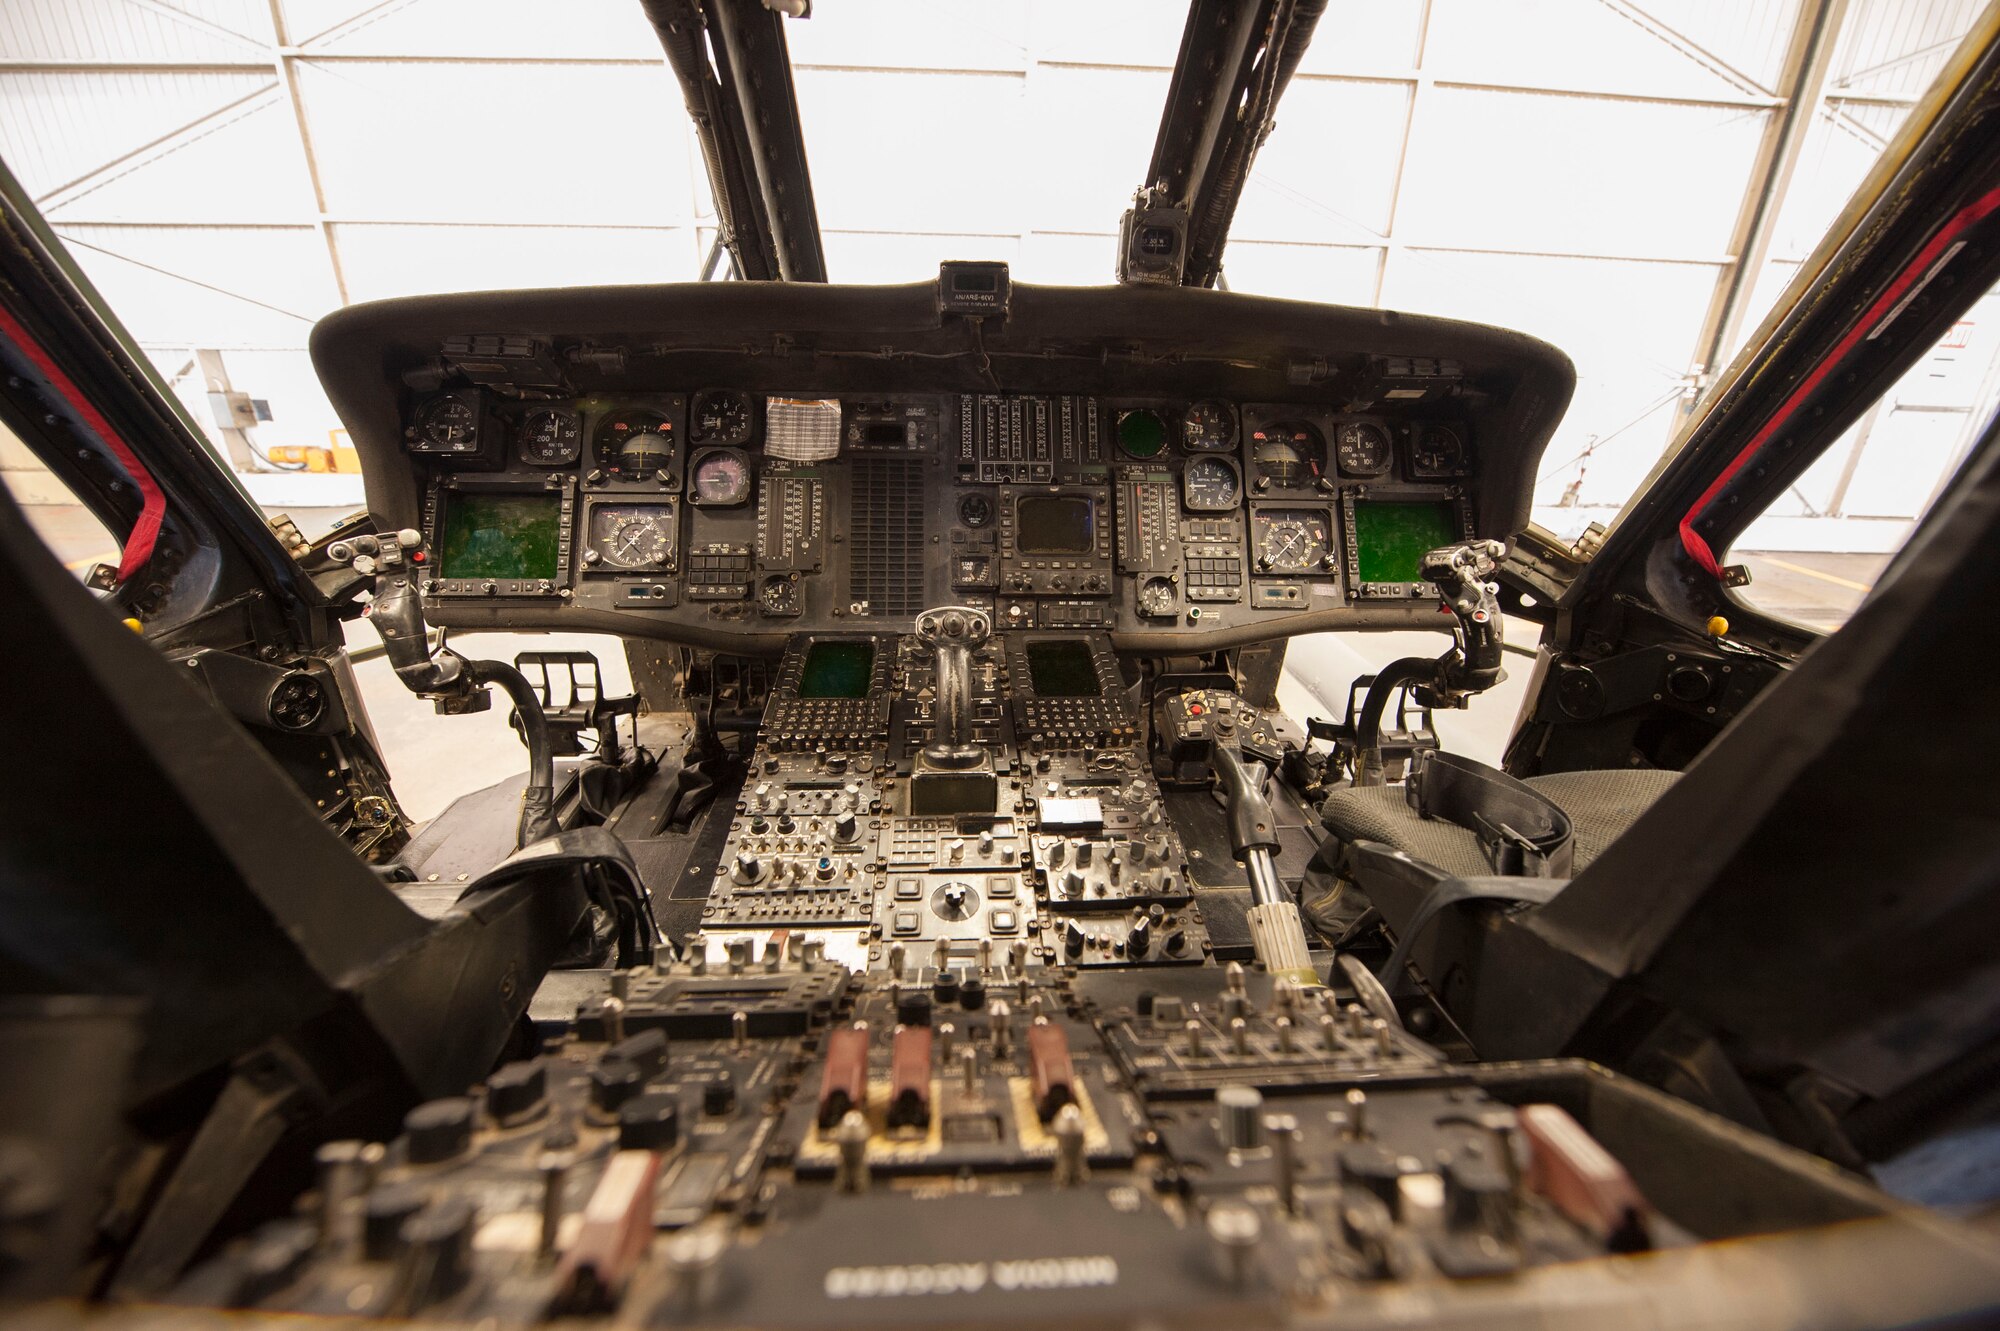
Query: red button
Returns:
{"type": "Point", "coordinates": [1194, 709]}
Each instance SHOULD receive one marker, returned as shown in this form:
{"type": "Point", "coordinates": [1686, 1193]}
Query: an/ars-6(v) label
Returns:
{"type": "Point", "coordinates": [1024, 1275]}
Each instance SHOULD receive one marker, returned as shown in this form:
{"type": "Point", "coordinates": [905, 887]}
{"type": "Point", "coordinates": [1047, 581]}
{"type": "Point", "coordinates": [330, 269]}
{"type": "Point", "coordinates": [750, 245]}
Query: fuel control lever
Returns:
{"type": "Point", "coordinates": [455, 683]}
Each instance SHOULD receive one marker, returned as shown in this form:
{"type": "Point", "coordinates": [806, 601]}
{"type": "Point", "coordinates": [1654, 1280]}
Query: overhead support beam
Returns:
{"type": "Point", "coordinates": [1808, 59]}
{"type": "Point", "coordinates": [735, 73]}
{"type": "Point", "coordinates": [1236, 58]}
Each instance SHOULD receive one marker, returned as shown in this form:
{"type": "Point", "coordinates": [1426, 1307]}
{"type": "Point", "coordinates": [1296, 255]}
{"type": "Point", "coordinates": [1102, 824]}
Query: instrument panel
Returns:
{"type": "Point", "coordinates": [725, 510]}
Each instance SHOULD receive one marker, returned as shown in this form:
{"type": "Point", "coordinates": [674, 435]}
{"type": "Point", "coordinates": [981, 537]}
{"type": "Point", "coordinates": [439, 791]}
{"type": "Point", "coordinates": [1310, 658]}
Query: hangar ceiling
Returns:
{"type": "Point", "coordinates": [227, 171]}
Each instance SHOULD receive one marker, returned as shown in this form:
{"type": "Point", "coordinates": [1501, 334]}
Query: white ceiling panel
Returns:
{"type": "Point", "coordinates": [913, 34]}
{"type": "Point", "coordinates": [1552, 173]}
{"type": "Point", "coordinates": [1383, 36]}
{"type": "Point", "coordinates": [895, 151]}
{"type": "Point", "coordinates": [481, 29]}
{"type": "Point", "coordinates": [381, 261]}
{"type": "Point", "coordinates": [60, 128]}
{"type": "Point", "coordinates": [1328, 171]}
{"type": "Point", "coordinates": [1746, 38]}
{"type": "Point", "coordinates": [499, 142]}
{"type": "Point", "coordinates": [1340, 275]}
{"type": "Point", "coordinates": [209, 286]}
{"type": "Point", "coordinates": [1129, 33]}
{"type": "Point", "coordinates": [1584, 44]}
{"type": "Point", "coordinates": [872, 257]}
{"type": "Point", "coordinates": [1072, 259]}
{"type": "Point", "coordinates": [125, 30]}
{"type": "Point", "coordinates": [1093, 138]}
{"type": "Point", "coordinates": [243, 167]}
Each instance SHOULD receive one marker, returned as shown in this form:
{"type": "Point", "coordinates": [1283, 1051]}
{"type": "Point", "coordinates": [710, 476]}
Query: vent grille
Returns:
{"type": "Point", "coordinates": [886, 535]}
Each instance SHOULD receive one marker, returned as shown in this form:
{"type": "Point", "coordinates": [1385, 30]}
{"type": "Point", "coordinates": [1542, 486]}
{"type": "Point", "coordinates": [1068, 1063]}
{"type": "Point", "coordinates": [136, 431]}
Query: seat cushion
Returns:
{"type": "Point", "coordinates": [1600, 805]}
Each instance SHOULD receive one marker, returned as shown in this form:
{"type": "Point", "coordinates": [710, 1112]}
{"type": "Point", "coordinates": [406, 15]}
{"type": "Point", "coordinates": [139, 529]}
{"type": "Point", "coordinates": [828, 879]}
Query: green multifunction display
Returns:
{"type": "Point", "coordinates": [498, 535]}
{"type": "Point", "coordinates": [1390, 540]}
{"type": "Point", "coordinates": [1062, 669]}
{"type": "Point", "coordinates": [837, 670]}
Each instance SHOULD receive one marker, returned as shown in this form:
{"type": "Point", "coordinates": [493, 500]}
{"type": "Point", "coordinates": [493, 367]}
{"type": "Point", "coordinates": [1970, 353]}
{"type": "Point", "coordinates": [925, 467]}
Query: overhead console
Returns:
{"type": "Point", "coordinates": [1170, 468]}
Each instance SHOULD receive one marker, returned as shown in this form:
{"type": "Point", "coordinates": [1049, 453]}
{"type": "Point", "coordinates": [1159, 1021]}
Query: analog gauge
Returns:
{"type": "Point", "coordinates": [1208, 427]}
{"type": "Point", "coordinates": [1290, 455]}
{"type": "Point", "coordinates": [634, 445]}
{"type": "Point", "coordinates": [1157, 598]}
{"type": "Point", "coordinates": [631, 537]}
{"type": "Point", "coordinates": [1363, 449]}
{"type": "Point", "coordinates": [1293, 541]}
{"type": "Point", "coordinates": [975, 510]}
{"type": "Point", "coordinates": [778, 595]}
{"type": "Point", "coordinates": [1210, 485]}
{"type": "Point", "coordinates": [721, 477]}
{"type": "Point", "coordinates": [1438, 451]}
{"type": "Point", "coordinates": [1141, 433]}
{"type": "Point", "coordinates": [551, 438]}
{"type": "Point", "coordinates": [447, 425]}
{"type": "Point", "coordinates": [721, 416]}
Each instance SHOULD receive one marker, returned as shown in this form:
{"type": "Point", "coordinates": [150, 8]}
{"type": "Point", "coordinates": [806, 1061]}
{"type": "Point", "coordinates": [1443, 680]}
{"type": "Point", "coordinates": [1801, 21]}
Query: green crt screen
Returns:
{"type": "Point", "coordinates": [500, 535]}
{"type": "Point", "coordinates": [1390, 540]}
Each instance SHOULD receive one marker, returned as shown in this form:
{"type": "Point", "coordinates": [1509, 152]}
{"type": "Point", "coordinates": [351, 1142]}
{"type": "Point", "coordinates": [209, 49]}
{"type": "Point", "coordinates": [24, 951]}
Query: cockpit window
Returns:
{"type": "Point", "coordinates": [1817, 551]}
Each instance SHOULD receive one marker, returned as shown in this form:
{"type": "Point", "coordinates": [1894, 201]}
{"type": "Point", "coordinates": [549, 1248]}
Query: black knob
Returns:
{"type": "Point", "coordinates": [1372, 1167]}
{"type": "Point", "coordinates": [650, 1123]}
{"type": "Point", "coordinates": [438, 1130]}
{"type": "Point", "coordinates": [1073, 938]}
{"type": "Point", "coordinates": [1176, 942]}
{"type": "Point", "coordinates": [944, 989]}
{"type": "Point", "coordinates": [383, 1217]}
{"type": "Point", "coordinates": [437, 1251]}
{"type": "Point", "coordinates": [274, 1258]}
{"type": "Point", "coordinates": [719, 1096]}
{"type": "Point", "coordinates": [1139, 940]}
{"type": "Point", "coordinates": [646, 1051]}
{"type": "Point", "coordinates": [845, 827]}
{"type": "Point", "coordinates": [1143, 1004]}
{"type": "Point", "coordinates": [972, 994]}
{"type": "Point", "coordinates": [913, 1008]}
{"type": "Point", "coordinates": [614, 1081]}
{"type": "Point", "coordinates": [517, 1092]}
{"type": "Point", "coordinates": [1477, 1194]}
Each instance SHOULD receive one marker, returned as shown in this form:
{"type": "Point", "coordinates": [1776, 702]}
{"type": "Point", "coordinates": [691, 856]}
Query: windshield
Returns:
{"type": "Point", "coordinates": [1409, 170]}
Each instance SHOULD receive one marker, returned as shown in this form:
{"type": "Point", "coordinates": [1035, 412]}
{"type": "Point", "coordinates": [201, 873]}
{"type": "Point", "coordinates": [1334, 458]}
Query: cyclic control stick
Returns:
{"type": "Point", "coordinates": [456, 684]}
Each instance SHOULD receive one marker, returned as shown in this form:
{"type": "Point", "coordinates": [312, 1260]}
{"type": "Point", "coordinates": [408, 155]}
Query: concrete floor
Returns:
{"type": "Point", "coordinates": [433, 759]}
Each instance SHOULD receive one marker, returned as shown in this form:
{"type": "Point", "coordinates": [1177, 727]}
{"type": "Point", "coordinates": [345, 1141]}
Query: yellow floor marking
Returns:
{"type": "Point", "coordinates": [1790, 567]}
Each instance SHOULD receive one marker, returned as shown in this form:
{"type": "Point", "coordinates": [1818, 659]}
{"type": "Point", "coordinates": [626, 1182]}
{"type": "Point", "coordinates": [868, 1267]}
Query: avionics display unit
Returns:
{"type": "Point", "coordinates": [1055, 541]}
{"type": "Point", "coordinates": [491, 536]}
{"type": "Point", "coordinates": [1388, 530]}
{"type": "Point", "coordinates": [832, 692]}
{"type": "Point", "coordinates": [1067, 691]}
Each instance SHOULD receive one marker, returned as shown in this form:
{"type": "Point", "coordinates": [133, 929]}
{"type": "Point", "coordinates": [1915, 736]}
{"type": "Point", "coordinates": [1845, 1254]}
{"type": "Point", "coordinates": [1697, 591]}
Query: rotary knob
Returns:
{"type": "Point", "coordinates": [846, 827]}
{"type": "Point", "coordinates": [747, 869]}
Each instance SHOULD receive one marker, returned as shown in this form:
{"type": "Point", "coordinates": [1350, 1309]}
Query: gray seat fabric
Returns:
{"type": "Point", "coordinates": [1600, 805]}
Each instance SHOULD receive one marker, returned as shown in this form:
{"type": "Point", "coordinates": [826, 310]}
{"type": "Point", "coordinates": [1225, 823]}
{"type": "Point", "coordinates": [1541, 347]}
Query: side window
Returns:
{"type": "Point", "coordinates": [1817, 551]}
{"type": "Point", "coordinates": [71, 530]}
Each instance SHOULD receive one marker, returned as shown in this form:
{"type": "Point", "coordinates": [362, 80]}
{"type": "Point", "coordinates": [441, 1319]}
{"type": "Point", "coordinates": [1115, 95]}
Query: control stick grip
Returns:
{"type": "Point", "coordinates": [1252, 825]}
